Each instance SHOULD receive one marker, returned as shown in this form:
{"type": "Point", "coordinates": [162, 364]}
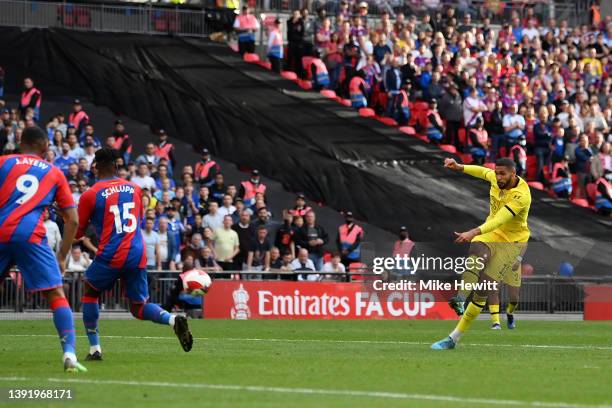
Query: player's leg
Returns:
{"type": "Point", "coordinates": [472, 311]}
{"type": "Point", "coordinates": [478, 257]}
{"type": "Point", "coordinates": [138, 293]}
{"type": "Point", "coordinates": [513, 298]}
{"type": "Point", "coordinates": [64, 324]}
{"type": "Point", "coordinates": [38, 266]}
{"type": "Point", "coordinates": [91, 314]}
{"type": "Point", "coordinates": [97, 278]}
{"type": "Point", "coordinates": [493, 302]}
{"type": "Point", "coordinates": [513, 284]}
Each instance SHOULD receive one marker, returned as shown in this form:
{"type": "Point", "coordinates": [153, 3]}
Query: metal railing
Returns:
{"type": "Point", "coordinates": [543, 294]}
{"type": "Point", "coordinates": [497, 11]}
{"type": "Point", "coordinates": [133, 18]}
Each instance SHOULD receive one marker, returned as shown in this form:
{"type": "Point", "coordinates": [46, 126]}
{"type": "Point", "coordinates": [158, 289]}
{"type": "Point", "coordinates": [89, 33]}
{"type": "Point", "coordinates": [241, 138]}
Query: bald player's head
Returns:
{"type": "Point", "coordinates": [34, 140]}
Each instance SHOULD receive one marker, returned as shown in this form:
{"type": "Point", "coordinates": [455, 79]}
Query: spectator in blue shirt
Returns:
{"type": "Point", "coordinates": [542, 133]}
{"type": "Point", "coordinates": [583, 161]}
{"type": "Point", "coordinates": [65, 160]}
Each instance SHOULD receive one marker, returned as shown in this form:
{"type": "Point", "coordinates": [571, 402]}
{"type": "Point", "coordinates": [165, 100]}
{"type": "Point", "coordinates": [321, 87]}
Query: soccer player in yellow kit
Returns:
{"type": "Point", "coordinates": [500, 242]}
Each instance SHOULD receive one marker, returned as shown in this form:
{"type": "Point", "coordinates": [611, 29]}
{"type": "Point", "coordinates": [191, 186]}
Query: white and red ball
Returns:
{"type": "Point", "coordinates": [196, 281]}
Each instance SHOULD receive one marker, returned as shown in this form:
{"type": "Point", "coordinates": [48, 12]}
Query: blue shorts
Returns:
{"type": "Point", "coordinates": [36, 262]}
{"type": "Point", "coordinates": [134, 280]}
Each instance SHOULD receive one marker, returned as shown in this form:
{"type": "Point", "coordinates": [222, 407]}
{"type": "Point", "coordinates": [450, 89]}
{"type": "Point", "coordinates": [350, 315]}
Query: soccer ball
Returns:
{"type": "Point", "coordinates": [196, 282]}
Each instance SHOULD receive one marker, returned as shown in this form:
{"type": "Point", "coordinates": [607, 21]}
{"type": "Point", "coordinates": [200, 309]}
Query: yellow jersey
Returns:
{"type": "Point", "coordinates": [508, 209]}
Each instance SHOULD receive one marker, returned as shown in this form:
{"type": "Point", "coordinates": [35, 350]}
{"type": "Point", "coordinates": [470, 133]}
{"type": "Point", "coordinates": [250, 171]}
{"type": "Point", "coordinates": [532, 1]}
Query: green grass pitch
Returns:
{"type": "Point", "coordinates": [318, 363]}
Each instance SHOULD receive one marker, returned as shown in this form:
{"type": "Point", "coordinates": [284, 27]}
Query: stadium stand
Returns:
{"type": "Point", "coordinates": [184, 104]}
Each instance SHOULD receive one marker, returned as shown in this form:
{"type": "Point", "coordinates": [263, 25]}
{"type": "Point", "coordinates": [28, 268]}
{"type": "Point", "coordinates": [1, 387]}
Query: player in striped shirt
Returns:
{"type": "Point", "coordinates": [28, 185]}
{"type": "Point", "coordinates": [114, 207]}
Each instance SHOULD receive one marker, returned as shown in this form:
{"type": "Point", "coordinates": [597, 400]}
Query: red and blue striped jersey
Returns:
{"type": "Point", "coordinates": [28, 185]}
{"type": "Point", "coordinates": [114, 208]}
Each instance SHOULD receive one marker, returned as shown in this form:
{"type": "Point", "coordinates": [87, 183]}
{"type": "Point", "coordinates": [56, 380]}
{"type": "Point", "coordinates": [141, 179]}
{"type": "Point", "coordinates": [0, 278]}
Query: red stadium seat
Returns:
{"type": "Point", "coordinates": [304, 84]}
{"type": "Point", "coordinates": [423, 137]}
{"type": "Point", "coordinates": [532, 168]}
{"type": "Point", "coordinates": [358, 267]}
{"type": "Point", "coordinates": [290, 75]}
{"type": "Point", "coordinates": [466, 158]}
{"type": "Point", "coordinates": [328, 93]}
{"type": "Point", "coordinates": [366, 113]}
{"type": "Point", "coordinates": [409, 130]}
{"type": "Point", "coordinates": [345, 102]}
{"type": "Point", "coordinates": [264, 64]}
{"type": "Point", "coordinates": [250, 57]}
{"type": "Point", "coordinates": [421, 106]}
{"type": "Point", "coordinates": [386, 121]}
{"type": "Point", "coordinates": [581, 202]}
{"type": "Point", "coordinates": [574, 184]}
{"type": "Point", "coordinates": [448, 148]}
{"type": "Point", "coordinates": [536, 184]}
{"type": "Point", "coordinates": [591, 190]}
{"type": "Point", "coordinates": [462, 136]}
{"type": "Point", "coordinates": [489, 165]}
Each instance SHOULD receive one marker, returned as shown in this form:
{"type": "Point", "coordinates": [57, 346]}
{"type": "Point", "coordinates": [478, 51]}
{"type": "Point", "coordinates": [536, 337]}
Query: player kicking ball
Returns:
{"type": "Point", "coordinates": [499, 243]}
{"type": "Point", "coordinates": [28, 185]}
{"type": "Point", "coordinates": [114, 207]}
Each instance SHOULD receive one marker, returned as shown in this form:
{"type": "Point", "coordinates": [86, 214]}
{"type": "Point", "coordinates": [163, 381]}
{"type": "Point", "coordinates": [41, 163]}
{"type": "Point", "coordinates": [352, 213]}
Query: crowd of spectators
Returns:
{"type": "Point", "coordinates": [537, 91]}
{"type": "Point", "coordinates": [193, 216]}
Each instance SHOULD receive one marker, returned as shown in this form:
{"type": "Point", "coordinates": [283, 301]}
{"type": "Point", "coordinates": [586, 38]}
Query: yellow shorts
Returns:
{"type": "Point", "coordinates": [503, 257]}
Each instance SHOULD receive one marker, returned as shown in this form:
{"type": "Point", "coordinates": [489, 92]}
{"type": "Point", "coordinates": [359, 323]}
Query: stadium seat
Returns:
{"type": "Point", "coordinates": [250, 57]}
{"type": "Point", "coordinates": [386, 121]}
{"type": "Point", "coordinates": [366, 113]}
{"type": "Point", "coordinates": [422, 137]}
{"type": "Point", "coordinates": [357, 268]}
{"type": "Point", "coordinates": [448, 148]}
{"type": "Point", "coordinates": [489, 165]}
{"type": "Point", "coordinates": [345, 102]}
{"type": "Point", "coordinates": [582, 202]}
{"type": "Point", "coordinates": [574, 184]}
{"type": "Point", "coordinates": [536, 184]}
{"type": "Point", "coordinates": [532, 168]}
{"type": "Point", "coordinates": [591, 190]}
{"type": "Point", "coordinates": [304, 84]}
{"type": "Point", "coordinates": [328, 93]}
{"type": "Point", "coordinates": [290, 75]}
{"type": "Point", "coordinates": [462, 136]}
{"type": "Point", "coordinates": [264, 64]}
{"type": "Point", "coordinates": [526, 270]}
{"type": "Point", "coordinates": [466, 158]}
{"type": "Point", "coordinates": [409, 130]}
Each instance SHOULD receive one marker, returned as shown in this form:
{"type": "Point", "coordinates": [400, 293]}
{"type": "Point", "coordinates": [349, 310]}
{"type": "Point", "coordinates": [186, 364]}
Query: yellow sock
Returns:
{"type": "Point", "coordinates": [494, 311]}
{"type": "Point", "coordinates": [511, 308]}
{"type": "Point", "coordinates": [471, 313]}
{"type": "Point", "coordinates": [471, 275]}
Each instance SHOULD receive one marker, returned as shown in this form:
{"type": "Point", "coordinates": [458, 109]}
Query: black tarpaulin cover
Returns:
{"type": "Point", "coordinates": [204, 94]}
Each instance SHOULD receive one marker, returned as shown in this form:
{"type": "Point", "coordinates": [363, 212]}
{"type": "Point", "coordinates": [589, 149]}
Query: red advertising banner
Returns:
{"type": "Point", "coordinates": [243, 300]}
{"type": "Point", "coordinates": [598, 302]}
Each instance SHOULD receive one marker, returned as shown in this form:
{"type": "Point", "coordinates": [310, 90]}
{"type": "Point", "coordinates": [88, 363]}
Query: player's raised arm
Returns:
{"type": "Point", "coordinates": [474, 171]}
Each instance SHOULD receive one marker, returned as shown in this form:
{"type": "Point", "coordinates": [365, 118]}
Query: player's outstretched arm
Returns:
{"type": "Point", "coordinates": [474, 171]}
{"type": "Point", "coordinates": [450, 163]}
{"type": "Point", "coordinates": [71, 223]}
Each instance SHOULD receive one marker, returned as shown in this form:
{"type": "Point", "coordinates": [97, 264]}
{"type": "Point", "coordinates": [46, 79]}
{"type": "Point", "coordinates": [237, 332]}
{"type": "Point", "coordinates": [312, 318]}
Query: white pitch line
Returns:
{"type": "Point", "coordinates": [396, 342]}
{"type": "Point", "coordinates": [316, 391]}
